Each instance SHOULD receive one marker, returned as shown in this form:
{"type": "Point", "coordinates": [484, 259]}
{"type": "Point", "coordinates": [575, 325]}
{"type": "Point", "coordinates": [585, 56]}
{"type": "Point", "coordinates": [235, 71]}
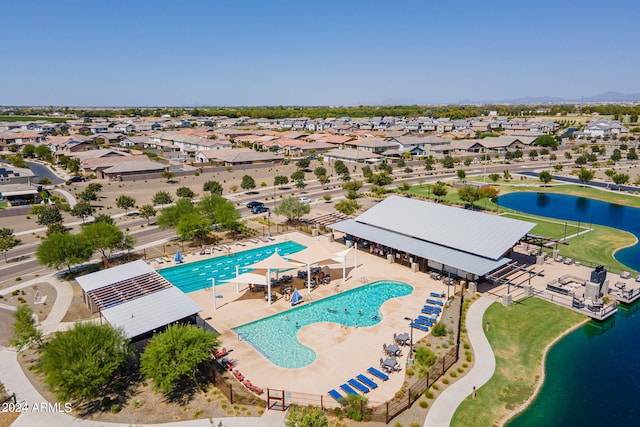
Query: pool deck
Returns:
{"type": "Point", "coordinates": [341, 352]}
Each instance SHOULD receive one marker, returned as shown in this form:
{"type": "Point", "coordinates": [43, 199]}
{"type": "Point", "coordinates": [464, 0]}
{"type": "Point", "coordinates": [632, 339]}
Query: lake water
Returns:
{"type": "Point", "coordinates": [584, 210]}
{"type": "Point", "coordinates": [592, 376]}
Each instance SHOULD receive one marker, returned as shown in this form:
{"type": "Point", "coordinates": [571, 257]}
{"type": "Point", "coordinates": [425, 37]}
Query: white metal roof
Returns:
{"type": "Point", "coordinates": [461, 260]}
{"type": "Point", "coordinates": [97, 280]}
{"type": "Point", "coordinates": [476, 233]}
{"type": "Point", "coordinates": [151, 311]}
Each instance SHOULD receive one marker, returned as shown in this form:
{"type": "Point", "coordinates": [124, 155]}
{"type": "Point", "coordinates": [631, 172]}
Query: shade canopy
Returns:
{"type": "Point", "coordinates": [275, 262]}
{"type": "Point", "coordinates": [178, 257]}
{"type": "Point", "coordinates": [249, 279]}
{"type": "Point", "coordinates": [295, 297]}
{"type": "Point", "coordinates": [313, 254]}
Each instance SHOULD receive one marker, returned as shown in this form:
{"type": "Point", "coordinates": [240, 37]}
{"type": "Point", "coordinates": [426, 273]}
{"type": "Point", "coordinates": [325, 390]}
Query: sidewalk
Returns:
{"type": "Point", "coordinates": [446, 404]}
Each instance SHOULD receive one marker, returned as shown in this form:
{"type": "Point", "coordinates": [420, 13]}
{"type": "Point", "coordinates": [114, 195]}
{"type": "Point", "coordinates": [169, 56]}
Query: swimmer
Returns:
{"type": "Point", "coordinates": [375, 317]}
{"type": "Point", "coordinates": [297, 325]}
{"type": "Point", "coordinates": [360, 312]}
{"type": "Point", "coordinates": [286, 318]}
{"type": "Point", "coordinates": [346, 311]}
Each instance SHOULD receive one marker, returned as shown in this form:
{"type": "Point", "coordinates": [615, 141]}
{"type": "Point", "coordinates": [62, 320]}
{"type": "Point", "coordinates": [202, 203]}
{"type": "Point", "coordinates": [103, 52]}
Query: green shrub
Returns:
{"type": "Point", "coordinates": [424, 404]}
{"type": "Point", "coordinates": [439, 330]}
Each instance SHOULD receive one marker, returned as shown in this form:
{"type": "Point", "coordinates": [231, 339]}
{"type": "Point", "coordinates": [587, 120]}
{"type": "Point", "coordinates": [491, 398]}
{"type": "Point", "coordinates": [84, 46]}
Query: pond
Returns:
{"type": "Point", "coordinates": [588, 211]}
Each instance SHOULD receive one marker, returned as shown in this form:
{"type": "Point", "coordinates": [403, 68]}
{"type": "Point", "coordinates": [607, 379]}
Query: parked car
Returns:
{"type": "Point", "coordinates": [254, 204]}
{"type": "Point", "coordinates": [305, 200]}
{"type": "Point", "coordinates": [76, 178]}
{"type": "Point", "coordinates": [259, 209]}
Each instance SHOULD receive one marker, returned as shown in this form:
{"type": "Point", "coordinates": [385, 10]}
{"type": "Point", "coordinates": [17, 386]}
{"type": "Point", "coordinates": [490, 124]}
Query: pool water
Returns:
{"type": "Point", "coordinates": [196, 275]}
{"type": "Point", "coordinates": [276, 336]}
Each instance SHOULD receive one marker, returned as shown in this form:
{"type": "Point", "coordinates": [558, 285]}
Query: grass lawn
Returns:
{"type": "Point", "coordinates": [518, 337]}
{"type": "Point", "coordinates": [32, 119]}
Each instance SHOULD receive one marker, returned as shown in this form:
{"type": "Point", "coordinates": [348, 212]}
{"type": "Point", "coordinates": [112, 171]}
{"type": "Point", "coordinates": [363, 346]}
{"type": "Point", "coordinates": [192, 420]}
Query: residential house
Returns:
{"type": "Point", "coordinates": [237, 156]}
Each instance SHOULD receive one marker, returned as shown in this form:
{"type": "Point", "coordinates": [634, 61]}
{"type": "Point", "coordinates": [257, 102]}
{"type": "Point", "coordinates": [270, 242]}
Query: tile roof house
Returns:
{"type": "Point", "coordinates": [237, 156]}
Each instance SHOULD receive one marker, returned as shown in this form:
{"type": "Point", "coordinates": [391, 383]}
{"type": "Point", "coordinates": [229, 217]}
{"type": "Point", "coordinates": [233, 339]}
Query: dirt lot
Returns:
{"type": "Point", "coordinates": [42, 293]}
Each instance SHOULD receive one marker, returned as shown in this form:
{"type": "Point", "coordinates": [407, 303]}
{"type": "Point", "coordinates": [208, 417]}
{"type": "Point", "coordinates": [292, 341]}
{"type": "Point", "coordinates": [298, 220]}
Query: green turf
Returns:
{"type": "Point", "coordinates": [518, 336]}
{"type": "Point", "coordinates": [32, 119]}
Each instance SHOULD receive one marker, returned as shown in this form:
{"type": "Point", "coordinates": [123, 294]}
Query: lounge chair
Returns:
{"type": "Point", "coordinates": [159, 260]}
{"type": "Point", "coordinates": [437, 295]}
{"type": "Point", "coordinates": [373, 371]}
{"type": "Point", "coordinates": [419, 326]}
{"type": "Point", "coordinates": [347, 389]}
{"type": "Point", "coordinates": [337, 396]}
{"type": "Point", "coordinates": [358, 386]}
{"type": "Point", "coordinates": [254, 240]}
{"type": "Point", "coordinates": [367, 381]}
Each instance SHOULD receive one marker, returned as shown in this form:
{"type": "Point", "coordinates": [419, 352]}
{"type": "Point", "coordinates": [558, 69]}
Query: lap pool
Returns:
{"type": "Point", "coordinates": [276, 336]}
{"type": "Point", "coordinates": [196, 275]}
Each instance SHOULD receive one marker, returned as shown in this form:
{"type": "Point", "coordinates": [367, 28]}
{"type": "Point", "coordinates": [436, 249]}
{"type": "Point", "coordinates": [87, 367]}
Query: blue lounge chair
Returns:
{"type": "Point", "coordinates": [419, 326]}
{"type": "Point", "coordinates": [431, 319]}
{"type": "Point", "coordinates": [431, 301]}
{"type": "Point", "coordinates": [437, 295]}
{"type": "Point", "coordinates": [358, 386]}
{"type": "Point", "coordinates": [337, 396]}
{"type": "Point", "coordinates": [377, 373]}
{"type": "Point", "coordinates": [366, 381]}
{"type": "Point", "coordinates": [423, 322]}
{"type": "Point", "coordinates": [347, 389]}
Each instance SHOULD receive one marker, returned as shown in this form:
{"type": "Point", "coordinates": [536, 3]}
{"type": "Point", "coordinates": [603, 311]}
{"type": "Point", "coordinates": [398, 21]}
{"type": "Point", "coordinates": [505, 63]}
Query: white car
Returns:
{"type": "Point", "coordinates": [305, 200]}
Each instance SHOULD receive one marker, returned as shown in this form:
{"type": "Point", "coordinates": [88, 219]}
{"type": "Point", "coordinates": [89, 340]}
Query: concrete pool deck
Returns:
{"type": "Point", "coordinates": [341, 352]}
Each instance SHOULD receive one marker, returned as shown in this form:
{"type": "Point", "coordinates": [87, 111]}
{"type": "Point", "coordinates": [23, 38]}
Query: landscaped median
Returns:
{"type": "Point", "coordinates": [519, 336]}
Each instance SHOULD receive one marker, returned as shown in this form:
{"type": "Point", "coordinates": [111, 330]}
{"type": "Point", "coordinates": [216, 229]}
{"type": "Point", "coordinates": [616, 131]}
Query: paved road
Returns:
{"type": "Point", "coordinates": [42, 171]}
{"type": "Point", "coordinates": [483, 368]}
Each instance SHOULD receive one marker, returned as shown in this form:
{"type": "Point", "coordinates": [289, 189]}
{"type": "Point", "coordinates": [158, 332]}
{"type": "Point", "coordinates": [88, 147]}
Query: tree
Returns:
{"type": "Point", "coordinates": [171, 216]}
{"type": "Point", "coordinates": [29, 150]}
{"type": "Point", "coordinates": [220, 211]}
{"type": "Point", "coordinates": [620, 178]}
{"type": "Point", "coordinates": [7, 241]}
{"type": "Point", "coordinates": [173, 356]}
{"type": "Point", "coordinates": [506, 175]}
{"type": "Point", "coordinates": [162, 198]}
{"type": "Point", "coordinates": [447, 162]}
{"type": "Point", "coordinates": [281, 180]}
{"type": "Point", "coordinates": [347, 206]}
{"type": "Point", "coordinates": [56, 227]}
{"type": "Point", "coordinates": [461, 174]}
{"type": "Point", "coordinates": [545, 177]}
{"type": "Point", "coordinates": [303, 163]}
{"type": "Point", "coordinates": [147, 211]}
{"type": "Point", "coordinates": [96, 187]}
{"type": "Point", "coordinates": [292, 208]}
{"type": "Point", "coordinates": [380, 179]}
{"type": "Point", "coordinates": [297, 175]}
{"type": "Point", "coordinates": [185, 193]}
{"type": "Point", "coordinates": [25, 332]}
{"type": "Point", "coordinates": [103, 218]}
{"type": "Point", "coordinates": [213, 187]}
{"type": "Point", "coordinates": [49, 215]}
{"type": "Point", "coordinates": [616, 155]}
{"type": "Point", "coordinates": [533, 154]}
{"type": "Point", "coordinates": [73, 165]}
{"type": "Point", "coordinates": [88, 195]}
{"type": "Point", "coordinates": [366, 171]}
{"type": "Point", "coordinates": [44, 152]}
{"type": "Point", "coordinates": [494, 177]}
{"type": "Point", "coordinates": [168, 175]}
{"type": "Point", "coordinates": [468, 161]}
{"type": "Point", "coordinates": [385, 167]}
{"type": "Point", "coordinates": [352, 186]}
{"type": "Point", "coordinates": [439, 190]}
{"type": "Point", "coordinates": [546, 141]}
{"type": "Point", "coordinates": [585, 175]}
{"type": "Point", "coordinates": [248, 183]}
{"type": "Point", "coordinates": [82, 210]}
{"type": "Point", "coordinates": [192, 225]}
{"type": "Point", "coordinates": [340, 167]}
{"type": "Point", "coordinates": [300, 184]}
{"type": "Point", "coordinates": [307, 416]}
{"type": "Point", "coordinates": [83, 363]}
{"type": "Point", "coordinates": [428, 163]}
{"type": "Point", "coordinates": [125, 202]}
{"type": "Point", "coordinates": [469, 194]}
{"type": "Point", "coordinates": [63, 249]}
{"type": "Point", "coordinates": [320, 171]}
{"type": "Point", "coordinates": [103, 237]}
{"type": "Point", "coordinates": [632, 154]}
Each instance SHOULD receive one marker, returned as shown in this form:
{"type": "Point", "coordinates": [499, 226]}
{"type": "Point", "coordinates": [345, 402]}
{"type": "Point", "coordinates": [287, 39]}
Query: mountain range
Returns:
{"type": "Point", "coordinates": [603, 97]}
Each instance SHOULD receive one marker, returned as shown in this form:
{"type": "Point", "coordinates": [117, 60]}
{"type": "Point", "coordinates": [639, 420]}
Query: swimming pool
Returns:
{"type": "Point", "coordinates": [276, 336]}
{"type": "Point", "coordinates": [196, 275]}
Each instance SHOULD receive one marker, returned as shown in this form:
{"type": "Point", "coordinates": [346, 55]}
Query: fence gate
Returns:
{"type": "Point", "coordinates": [276, 400]}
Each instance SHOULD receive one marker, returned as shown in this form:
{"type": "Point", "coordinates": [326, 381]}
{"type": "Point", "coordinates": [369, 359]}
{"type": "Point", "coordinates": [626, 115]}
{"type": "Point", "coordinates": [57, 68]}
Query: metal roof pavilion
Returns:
{"type": "Point", "coordinates": [151, 312]}
{"type": "Point", "coordinates": [467, 240]}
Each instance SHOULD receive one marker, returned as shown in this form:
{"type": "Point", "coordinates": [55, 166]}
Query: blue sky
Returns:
{"type": "Point", "coordinates": [348, 52]}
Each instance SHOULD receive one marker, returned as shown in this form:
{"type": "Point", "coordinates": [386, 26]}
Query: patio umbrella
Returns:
{"type": "Point", "coordinates": [295, 297]}
{"type": "Point", "coordinates": [178, 257]}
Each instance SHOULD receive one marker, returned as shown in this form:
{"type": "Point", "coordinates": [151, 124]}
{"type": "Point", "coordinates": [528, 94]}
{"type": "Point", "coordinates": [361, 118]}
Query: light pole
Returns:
{"type": "Point", "coordinates": [410, 358]}
{"type": "Point", "coordinates": [269, 221]}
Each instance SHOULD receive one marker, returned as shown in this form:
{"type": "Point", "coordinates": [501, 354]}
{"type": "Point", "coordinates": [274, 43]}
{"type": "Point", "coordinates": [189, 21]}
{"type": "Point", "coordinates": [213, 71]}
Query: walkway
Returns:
{"type": "Point", "coordinates": [446, 404]}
